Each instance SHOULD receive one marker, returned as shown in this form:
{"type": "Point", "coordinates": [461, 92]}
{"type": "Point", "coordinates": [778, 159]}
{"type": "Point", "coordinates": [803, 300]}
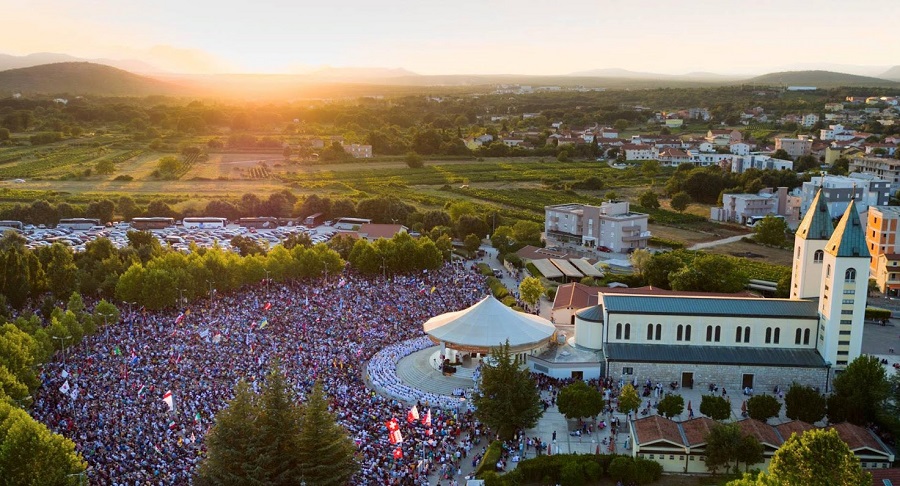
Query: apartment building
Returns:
{"type": "Point", "coordinates": [611, 225]}
{"type": "Point", "coordinates": [739, 208]}
{"type": "Point", "coordinates": [837, 191]}
{"type": "Point", "coordinates": [882, 228]}
{"type": "Point", "coordinates": [359, 151]}
{"type": "Point", "coordinates": [741, 164]}
{"type": "Point", "coordinates": [795, 147]}
{"type": "Point", "coordinates": [884, 168]}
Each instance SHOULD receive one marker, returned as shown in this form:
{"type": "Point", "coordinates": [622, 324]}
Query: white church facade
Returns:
{"type": "Point", "coordinates": [735, 341]}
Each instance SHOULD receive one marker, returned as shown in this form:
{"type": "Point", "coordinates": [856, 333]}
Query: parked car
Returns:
{"type": "Point", "coordinates": [605, 249]}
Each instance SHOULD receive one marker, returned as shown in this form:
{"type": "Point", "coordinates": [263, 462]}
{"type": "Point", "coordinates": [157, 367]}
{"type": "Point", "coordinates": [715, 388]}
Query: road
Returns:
{"type": "Point", "coordinates": [723, 241]}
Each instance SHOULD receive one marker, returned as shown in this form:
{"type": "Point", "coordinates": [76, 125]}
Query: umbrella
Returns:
{"type": "Point", "coordinates": [744, 406]}
{"type": "Point", "coordinates": [598, 450]}
{"type": "Point", "coordinates": [689, 405]}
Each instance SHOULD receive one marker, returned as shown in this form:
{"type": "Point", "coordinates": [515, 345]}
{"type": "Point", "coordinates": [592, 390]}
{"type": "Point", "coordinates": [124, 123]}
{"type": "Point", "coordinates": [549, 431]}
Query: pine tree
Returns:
{"type": "Point", "coordinates": [326, 451]}
{"type": "Point", "coordinates": [277, 429]}
{"type": "Point", "coordinates": [507, 399]}
{"type": "Point", "coordinates": [231, 457]}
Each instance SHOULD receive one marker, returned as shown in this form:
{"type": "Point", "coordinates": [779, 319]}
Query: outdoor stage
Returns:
{"type": "Point", "coordinates": [418, 371]}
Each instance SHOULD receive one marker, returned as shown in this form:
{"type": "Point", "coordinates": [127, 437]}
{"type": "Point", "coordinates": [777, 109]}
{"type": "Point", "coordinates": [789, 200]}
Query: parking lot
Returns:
{"type": "Point", "coordinates": [177, 237]}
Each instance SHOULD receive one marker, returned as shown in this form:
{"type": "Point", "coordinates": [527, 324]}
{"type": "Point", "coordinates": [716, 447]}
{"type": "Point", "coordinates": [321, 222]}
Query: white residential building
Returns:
{"type": "Point", "coordinates": [795, 147]}
{"type": "Point", "coordinates": [610, 225]}
{"type": "Point", "coordinates": [837, 133]}
{"type": "Point", "coordinates": [740, 148]}
{"type": "Point", "coordinates": [359, 151]}
{"type": "Point", "coordinates": [743, 163]}
{"type": "Point", "coordinates": [884, 168]}
{"type": "Point", "coordinates": [639, 152]}
{"type": "Point", "coordinates": [809, 119]}
{"type": "Point", "coordinates": [739, 208]}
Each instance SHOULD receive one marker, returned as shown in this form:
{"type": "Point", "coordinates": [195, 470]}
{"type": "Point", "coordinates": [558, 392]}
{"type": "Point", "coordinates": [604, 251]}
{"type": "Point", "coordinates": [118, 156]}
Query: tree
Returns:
{"type": "Point", "coordinates": [660, 268]}
{"type": "Point", "coordinates": [771, 230]}
{"type": "Point", "coordinates": [650, 168]}
{"type": "Point", "coordinates": [30, 454]}
{"type": "Point", "coordinates": [649, 199]}
{"type": "Point", "coordinates": [859, 392]}
{"type": "Point", "coordinates": [278, 422]}
{"type": "Point", "coordinates": [327, 454]}
{"type": "Point", "coordinates": [723, 445]}
{"type": "Point", "coordinates": [105, 167]}
{"type": "Point", "coordinates": [169, 167]}
{"type": "Point", "coordinates": [287, 152]}
{"type": "Point", "coordinates": [640, 260]}
{"type": "Point", "coordinates": [763, 407]}
{"type": "Point", "coordinates": [620, 124]}
{"type": "Point", "coordinates": [750, 451]}
{"type": "Point", "coordinates": [715, 407]}
{"type": "Point", "coordinates": [578, 400]}
{"type": "Point", "coordinates": [671, 405]}
{"type": "Point", "coordinates": [531, 290]}
{"type": "Point", "coordinates": [629, 401]}
{"type": "Point", "coordinates": [508, 399]}
{"type": "Point", "coordinates": [782, 155]}
{"type": "Point", "coordinates": [230, 452]}
{"type": "Point", "coordinates": [804, 403]}
{"type": "Point", "coordinates": [680, 201]}
{"type": "Point", "coordinates": [816, 457]}
{"type": "Point", "coordinates": [709, 273]}
{"type": "Point", "coordinates": [414, 160]}
{"type": "Point", "coordinates": [472, 242]}
{"type": "Point", "coordinates": [4, 134]}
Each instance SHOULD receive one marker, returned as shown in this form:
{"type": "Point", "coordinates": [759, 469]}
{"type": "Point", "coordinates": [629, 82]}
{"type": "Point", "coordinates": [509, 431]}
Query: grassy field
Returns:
{"type": "Point", "coordinates": [753, 251]}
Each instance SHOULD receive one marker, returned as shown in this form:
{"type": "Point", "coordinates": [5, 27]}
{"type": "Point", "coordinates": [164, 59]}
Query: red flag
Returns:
{"type": "Point", "coordinates": [413, 415]}
{"type": "Point", "coordinates": [426, 420]}
{"type": "Point", "coordinates": [267, 306]}
{"type": "Point", "coordinates": [398, 453]}
{"type": "Point", "coordinates": [394, 435]}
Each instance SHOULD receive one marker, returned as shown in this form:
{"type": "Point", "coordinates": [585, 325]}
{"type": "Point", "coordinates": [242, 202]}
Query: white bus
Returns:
{"type": "Point", "coordinates": [752, 220]}
{"type": "Point", "coordinates": [78, 224]}
{"type": "Point", "coordinates": [204, 222]}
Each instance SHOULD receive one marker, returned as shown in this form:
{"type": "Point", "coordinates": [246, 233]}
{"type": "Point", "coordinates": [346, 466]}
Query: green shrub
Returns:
{"type": "Point", "coordinates": [621, 469]}
{"type": "Point", "coordinates": [876, 314]}
{"type": "Point", "coordinates": [550, 293]}
{"type": "Point", "coordinates": [571, 474]}
{"type": "Point", "coordinates": [124, 177]}
{"type": "Point", "coordinates": [508, 301]}
{"type": "Point", "coordinates": [533, 270]}
{"type": "Point", "coordinates": [485, 269]}
{"type": "Point", "coordinates": [646, 471]}
{"type": "Point", "coordinates": [657, 241]}
{"type": "Point", "coordinates": [491, 456]}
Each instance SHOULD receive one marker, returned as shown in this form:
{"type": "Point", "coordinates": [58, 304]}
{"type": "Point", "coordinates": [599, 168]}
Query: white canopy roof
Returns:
{"type": "Point", "coordinates": [489, 324]}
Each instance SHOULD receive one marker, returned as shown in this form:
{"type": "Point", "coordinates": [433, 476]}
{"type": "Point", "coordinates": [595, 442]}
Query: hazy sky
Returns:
{"type": "Point", "coordinates": [460, 36]}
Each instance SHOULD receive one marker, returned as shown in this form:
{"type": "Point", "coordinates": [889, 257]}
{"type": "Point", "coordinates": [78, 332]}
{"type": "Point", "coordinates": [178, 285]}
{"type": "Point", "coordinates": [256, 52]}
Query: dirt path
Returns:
{"type": "Point", "coordinates": [723, 241]}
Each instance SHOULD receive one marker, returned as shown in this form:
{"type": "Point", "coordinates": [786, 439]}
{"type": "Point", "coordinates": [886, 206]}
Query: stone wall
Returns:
{"type": "Point", "coordinates": [765, 378]}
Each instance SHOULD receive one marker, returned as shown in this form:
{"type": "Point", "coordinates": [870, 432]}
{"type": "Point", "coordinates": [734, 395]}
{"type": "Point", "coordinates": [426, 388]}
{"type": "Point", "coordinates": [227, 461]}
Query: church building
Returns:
{"type": "Point", "coordinates": [738, 341]}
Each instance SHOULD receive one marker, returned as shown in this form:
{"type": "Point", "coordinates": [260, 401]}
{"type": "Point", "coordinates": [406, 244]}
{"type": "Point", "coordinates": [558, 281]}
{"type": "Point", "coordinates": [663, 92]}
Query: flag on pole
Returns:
{"type": "Point", "coordinates": [263, 323]}
{"type": "Point", "coordinates": [426, 420]}
{"type": "Point", "coordinates": [267, 306]}
{"type": "Point", "coordinates": [197, 418]}
{"type": "Point", "coordinates": [179, 318]}
{"type": "Point", "coordinates": [117, 351]}
{"type": "Point", "coordinates": [74, 393]}
{"type": "Point", "coordinates": [64, 389]}
{"type": "Point", "coordinates": [398, 453]}
{"type": "Point", "coordinates": [433, 289]}
{"type": "Point", "coordinates": [64, 374]}
{"type": "Point", "coordinates": [142, 390]}
{"type": "Point", "coordinates": [170, 400]}
{"type": "Point", "coordinates": [413, 415]}
{"type": "Point", "coordinates": [172, 425]}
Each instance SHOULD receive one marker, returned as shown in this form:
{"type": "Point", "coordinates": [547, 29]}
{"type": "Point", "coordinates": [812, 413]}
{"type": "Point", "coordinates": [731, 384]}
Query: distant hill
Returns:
{"type": "Point", "coordinates": [617, 73]}
{"type": "Point", "coordinates": [8, 61]}
{"type": "Point", "coordinates": [819, 79]}
{"type": "Point", "coordinates": [893, 74]}
{"type": "Point", "coordinates": [354, 74]}
{"type": "Point", "coordinates": [81, 78]}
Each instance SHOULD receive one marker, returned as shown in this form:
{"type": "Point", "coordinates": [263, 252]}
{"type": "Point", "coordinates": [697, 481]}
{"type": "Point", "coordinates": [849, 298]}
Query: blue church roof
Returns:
{"type": "Point", "coordinates": [711, 306]}
{"type": "Point", "coordinates": [849, 238]}
{"type": "Point", "coordinates": [816, 223]}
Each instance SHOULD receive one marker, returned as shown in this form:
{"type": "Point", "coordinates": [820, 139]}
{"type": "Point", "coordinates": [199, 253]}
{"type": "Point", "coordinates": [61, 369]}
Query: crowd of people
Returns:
{"type": "Point", "coordinates": [107, 394]}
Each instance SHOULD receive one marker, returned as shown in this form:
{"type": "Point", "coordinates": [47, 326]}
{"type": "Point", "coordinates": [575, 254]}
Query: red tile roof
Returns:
{"type": "Point", "coordinates": [696, 430]}
{"type": "Point", "coordinates": [856, 437]}
{"type": "Point", "coordinates": [795, 426]}
{"type": "Point", "coordinates": [656, 428]}
{"type": "Point", "coordinates": [761, 430]}
{"type": "Point", "coordinates": [375, 231]}
{"type": "Point", "coordinates": [576, 296]}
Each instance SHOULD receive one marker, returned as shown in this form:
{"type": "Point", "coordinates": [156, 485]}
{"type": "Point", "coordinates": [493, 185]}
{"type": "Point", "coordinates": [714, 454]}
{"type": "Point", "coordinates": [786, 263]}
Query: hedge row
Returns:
{"type": "Point", "coordinates": [574, 469]}
{"type": "Point", "coordinates": [497, 288]}
{"type": "Point", "coordinates": [877, 314]}
{"type": "Point", "coordinates": [491, 456]}
{"type": "Point", "coordinates": [657, 241]}
{"type": "Point", "coordinates": [485, 269]}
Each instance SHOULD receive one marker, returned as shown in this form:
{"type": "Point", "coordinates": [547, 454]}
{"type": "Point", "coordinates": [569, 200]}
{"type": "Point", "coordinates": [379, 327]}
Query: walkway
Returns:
{"type": "Point", "coordinates": [723, 241]}
{"type": "Point", "coordinates": [416, 371]}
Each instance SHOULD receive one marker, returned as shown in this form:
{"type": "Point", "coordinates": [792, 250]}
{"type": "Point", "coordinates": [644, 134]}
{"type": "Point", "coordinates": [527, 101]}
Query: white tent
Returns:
{"type": "Point", "coordinates": [489, 324]}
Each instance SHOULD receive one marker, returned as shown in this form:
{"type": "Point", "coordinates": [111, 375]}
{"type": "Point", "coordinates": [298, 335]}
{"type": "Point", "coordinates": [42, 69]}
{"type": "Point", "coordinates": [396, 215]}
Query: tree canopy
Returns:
{"type": "Point", "coordinates": [578, 400]}
{"type": "Point", "coordinates": [507, 399]}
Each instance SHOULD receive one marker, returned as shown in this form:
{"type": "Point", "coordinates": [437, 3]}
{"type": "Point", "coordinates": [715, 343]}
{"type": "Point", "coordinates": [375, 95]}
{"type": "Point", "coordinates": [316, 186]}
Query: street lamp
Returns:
{"type": "Point", "coordinates": [63, 339]}
{"type": "Point", "coordinates": [106, 325]}
{"type": "Point", "coordinates": [211, 293]}
{"type": "Point", "coordinates": [180, 298]}
{"type": "Point", "coordinates": [384, 267]}
{"type": "Point", "coordinates": [267, 283]}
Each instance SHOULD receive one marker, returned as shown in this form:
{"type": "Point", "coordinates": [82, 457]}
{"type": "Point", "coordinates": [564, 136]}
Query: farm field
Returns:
{"type": "Point", "coordinates": [755, 252]}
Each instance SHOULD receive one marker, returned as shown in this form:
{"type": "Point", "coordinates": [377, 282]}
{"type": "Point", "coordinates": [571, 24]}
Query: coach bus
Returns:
{"type": "Point", "coordinates": [351, 223]}
{"type": "Point", "coordinates": [204, 222]}
{"type": "Point", "coordinates": [314, 220]}
{"type": "Point", "coordinates": [259, 222]}
{"type": "Point", "coordinates": [152, 223]}
{"type": "Point", "coordinates": [79, 224]}
{"type": "Point", "coordinates": [11, 224]}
